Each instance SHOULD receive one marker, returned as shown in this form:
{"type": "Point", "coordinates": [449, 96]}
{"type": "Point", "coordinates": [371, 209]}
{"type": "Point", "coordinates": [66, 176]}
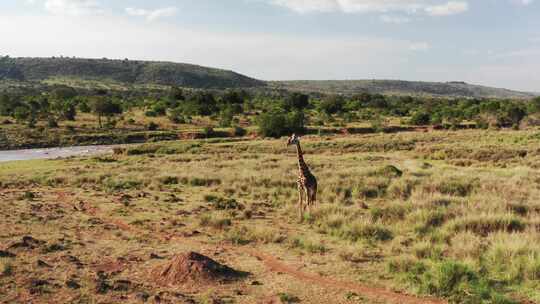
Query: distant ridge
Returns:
{"type": "Point", "coordinates": [138, 72]}
{"type": "Point", "coordinates": [400, 87]}
{"type": "Point", "coordinates": [123, 71]}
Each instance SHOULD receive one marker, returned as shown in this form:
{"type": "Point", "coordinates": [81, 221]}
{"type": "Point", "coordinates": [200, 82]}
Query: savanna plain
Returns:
{"type": "Point", "coordinates": [410, 217]}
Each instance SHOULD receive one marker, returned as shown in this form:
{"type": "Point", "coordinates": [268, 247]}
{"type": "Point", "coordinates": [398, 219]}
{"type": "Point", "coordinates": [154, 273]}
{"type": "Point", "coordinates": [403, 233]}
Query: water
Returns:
{"type": "Point", "coordinates": [51, 153]}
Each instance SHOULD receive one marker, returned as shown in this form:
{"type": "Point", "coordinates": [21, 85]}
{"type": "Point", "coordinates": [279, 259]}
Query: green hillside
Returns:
{"type": "Point", "coordinates": [399, 87]}
{"type": "Point", "coordinates": [122, 71]}
{"type": "Point", "coordinates": [92, 73]}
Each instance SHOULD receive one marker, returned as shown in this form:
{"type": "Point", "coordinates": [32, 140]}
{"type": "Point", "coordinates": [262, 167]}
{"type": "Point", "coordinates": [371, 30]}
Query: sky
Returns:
{"type": "Point", "coordinates": [488, 42]}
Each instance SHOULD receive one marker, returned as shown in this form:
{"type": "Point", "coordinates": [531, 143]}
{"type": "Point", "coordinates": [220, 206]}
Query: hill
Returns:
{"type": "Point", "coordinates": [400, 87]}
{"type": "Point", "coordinates": [81, 72]}
{"type": "Point", "coordinates": [122, 71]}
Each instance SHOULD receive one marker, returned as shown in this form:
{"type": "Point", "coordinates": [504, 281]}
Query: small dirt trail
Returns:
{"type": "Point", "coordinates": [274, 265]}
{"type": "Point", "coordinates": [388, 296]}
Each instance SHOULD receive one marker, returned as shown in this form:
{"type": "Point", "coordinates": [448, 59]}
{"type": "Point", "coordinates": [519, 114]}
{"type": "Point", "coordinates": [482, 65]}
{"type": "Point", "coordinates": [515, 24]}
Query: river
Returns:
{"type": "Point", "coordinates": [51, 153]}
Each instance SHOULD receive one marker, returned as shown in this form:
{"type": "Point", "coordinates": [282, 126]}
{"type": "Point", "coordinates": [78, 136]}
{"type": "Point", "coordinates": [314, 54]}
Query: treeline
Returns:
{"type": "Point", "coordinates": [276, 113]}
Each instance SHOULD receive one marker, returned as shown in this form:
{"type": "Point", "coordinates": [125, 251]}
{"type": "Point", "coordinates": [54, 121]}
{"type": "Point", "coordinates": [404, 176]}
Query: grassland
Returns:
{"type": "Point", "coordinates": [453, 215]}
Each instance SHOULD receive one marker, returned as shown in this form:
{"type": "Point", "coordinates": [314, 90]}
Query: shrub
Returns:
{"type": "Point", "coordinates": [332, 104]}
{"type": "Point", "coordinates": [277, 123]}
{"type": "Point", "coordinates": [420, 118]}
{"type": "Point", "coordinates": [217, 221]}
{"type": "Point", "coordinates": [459, 284]}
{"type": "Point", "coordinates": [311, 246]}
{"type": "Point", "coordinates": [390, 213]}
{"type": "Point", "coordinates": [486, 224]}
{"type": "Point", "coordinates": [364, 230]}
{"type": "Point", "coordinates": [226, 117]}
{"type": "Point", "coordinates": [456, 186]}
{"type": "Point", "coordinates": [221, 203]}
{"type": "Point", "coordinates": [176, 116]}
{"type": "Point", "coordinates": [239, 131]}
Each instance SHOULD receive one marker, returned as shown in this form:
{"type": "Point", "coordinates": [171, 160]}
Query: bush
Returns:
{"type": "Point", "coordinates": [276, 124]}
{"type": "Point", "coordinates": [296, 101]}
{"type": "Point", "coordinates": [459, 284]}
{"type": "Point", "coordinates": [239, 131]}
{"type": "Point", "coordinates": [420, 118]}
{"type": "Point", "coordinates": [176, 116]}
{"type": "Point", "coordinates": [332, 104]}
{"type": "Point", "coordinates": [226, 117]}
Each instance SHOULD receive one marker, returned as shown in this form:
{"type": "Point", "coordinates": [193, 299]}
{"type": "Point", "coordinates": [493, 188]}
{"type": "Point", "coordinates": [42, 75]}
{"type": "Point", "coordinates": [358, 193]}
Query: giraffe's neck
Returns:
{"type": "Point", "coordinates": [301, 163]}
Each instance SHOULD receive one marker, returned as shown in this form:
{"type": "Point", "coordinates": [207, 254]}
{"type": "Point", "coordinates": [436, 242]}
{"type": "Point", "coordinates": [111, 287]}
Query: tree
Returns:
{"type": "Point", "coordinates": [534, 106]}
{"type": "Point", "coordinates": [21, 113]}
{"type": "Point", "coordinates": [420, 118]}
{"type": "Point", "coordinates": [63, 92]}
{"type": "Point", "coordinates": [64, 109]}
{"type": "Point", "coordinates": [277, 123]}
{"type": "Point", "coordinates": [102, 106]}
{"type": "Point", "coordinates": [332, 104]}
{"type": "Point", "coordinates": [233, 97]}
{"type": "Point", "coordinates": [203, 103]}
{"type": "Point", "coordinates": [176, 93]}
{"type": "Point", "coordinates": [272, 124]}
{"type": "Point", "coordinates": [297, 101]}
{"type": "Point", "coordinates": [515, 114]}
{"type": "Point", "coordinates": [8, 105]}
{"type": "Point", "coordinates": [226, 117]}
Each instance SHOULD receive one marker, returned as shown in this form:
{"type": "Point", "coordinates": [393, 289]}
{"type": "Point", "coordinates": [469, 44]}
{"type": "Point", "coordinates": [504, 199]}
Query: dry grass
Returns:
{"type": "Point", "coordinates": [453, 213]}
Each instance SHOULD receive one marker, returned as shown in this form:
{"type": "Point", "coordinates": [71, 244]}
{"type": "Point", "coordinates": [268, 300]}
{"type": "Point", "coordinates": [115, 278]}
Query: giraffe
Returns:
{"type": "Point", "coordinates": [307, 183]}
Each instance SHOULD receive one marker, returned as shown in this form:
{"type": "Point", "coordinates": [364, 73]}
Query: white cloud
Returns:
{"type": "Point", "coordinates": [523, 2]}
{"type": "Point", "coordinates": [419, 46]}
{"type": "Point", "coordinates": [74, 7]}
{"type": "Point", "coordinates": [375, 6]}
{"type": "Point", "coordinates": [394, 19]}
{"type": "Point", "coordinates": [152, 15]}
{"type": "Point", "coordinates": [447, 9]}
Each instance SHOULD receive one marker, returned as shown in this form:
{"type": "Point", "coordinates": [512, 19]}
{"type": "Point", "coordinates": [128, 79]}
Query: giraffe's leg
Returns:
{"type": "Point", "coordinates": [300, 200]}
{"type": "Point", "coordinates": [308, 199]}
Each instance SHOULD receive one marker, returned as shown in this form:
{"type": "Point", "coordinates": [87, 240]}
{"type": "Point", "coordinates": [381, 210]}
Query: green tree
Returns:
{"type": "Point", "coordinates": [226, 117]}
{"type": "Point", "coordinates": [420, 118]}
{"type": "Point", "coordinates": [297, 101]}
{"type": "Point", "coordinates": [534, 106]}
{"type": "Point", "coordinates": [176, 93]}
{"type": "Point", "coordinates": [277, 123]}
{"type": "Point", "coordinates": [103, 106]}
{"type": "Point", "coordinates": [332, 104]}
{"type": "Point", "coordinates": [21, 113]}
{"type": "Point", "coordinates": [233, 97]}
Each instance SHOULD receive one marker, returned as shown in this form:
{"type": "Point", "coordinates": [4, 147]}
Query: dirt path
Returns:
{"type": "Point", "coordinates": [388, 296]}
{"type": "Point", "coordinates": [273, 264]}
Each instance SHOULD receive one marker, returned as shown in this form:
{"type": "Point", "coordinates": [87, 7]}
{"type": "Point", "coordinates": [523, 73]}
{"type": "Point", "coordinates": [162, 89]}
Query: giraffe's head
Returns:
{"type": "Point", "coordinates": [293, 140]}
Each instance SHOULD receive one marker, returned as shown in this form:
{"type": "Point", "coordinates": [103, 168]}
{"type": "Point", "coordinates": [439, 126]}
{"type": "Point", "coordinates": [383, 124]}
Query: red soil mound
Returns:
{"type": "Point", "coordinates": [193, 269]}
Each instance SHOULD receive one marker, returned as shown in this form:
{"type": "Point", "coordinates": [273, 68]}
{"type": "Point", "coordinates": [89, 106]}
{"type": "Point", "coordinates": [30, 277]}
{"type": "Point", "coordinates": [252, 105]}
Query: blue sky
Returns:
{"type": "Point", "coordinates": [490, 42]}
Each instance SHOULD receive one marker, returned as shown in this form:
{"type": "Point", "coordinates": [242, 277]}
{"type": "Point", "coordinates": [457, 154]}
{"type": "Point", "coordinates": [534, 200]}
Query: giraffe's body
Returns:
{"type": "Point", "coordinates": [307, 183]}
